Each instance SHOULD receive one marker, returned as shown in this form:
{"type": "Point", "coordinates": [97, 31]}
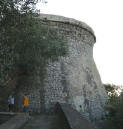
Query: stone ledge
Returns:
{"type": "Point", "coordinates": [62, 19]}
{"type": "Point", "coordinates": [16, 122]}
{"type": "Point", "coordinates": [8, 113]}
{"type": "Point", "coordinates": [75, 120]}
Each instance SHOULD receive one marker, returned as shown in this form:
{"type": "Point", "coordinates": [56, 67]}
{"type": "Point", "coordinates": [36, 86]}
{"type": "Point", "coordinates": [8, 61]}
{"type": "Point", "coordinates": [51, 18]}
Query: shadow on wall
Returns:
{"type": "Point", "coordinates": [4, 93]}
{"type": "Point", "coordinates": [72, 119]}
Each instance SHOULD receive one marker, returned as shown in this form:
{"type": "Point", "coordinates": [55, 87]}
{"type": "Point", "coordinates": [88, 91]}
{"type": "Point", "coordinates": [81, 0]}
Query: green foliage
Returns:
{"type": "Point", "coordinates": [112, 89]}
{"type": "Point", "coordinates": [114, 119]}
{"type": "Point", "coordinates": [26, 43]}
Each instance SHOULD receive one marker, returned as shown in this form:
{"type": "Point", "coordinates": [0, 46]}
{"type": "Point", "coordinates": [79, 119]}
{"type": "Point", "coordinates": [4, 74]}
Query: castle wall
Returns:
{"type": "Point", "coordinates": [74, 79]}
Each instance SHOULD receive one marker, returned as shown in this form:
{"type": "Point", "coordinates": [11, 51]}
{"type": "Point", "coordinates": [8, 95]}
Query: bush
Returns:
{"type": "Point", "coordinates": [114, 120]}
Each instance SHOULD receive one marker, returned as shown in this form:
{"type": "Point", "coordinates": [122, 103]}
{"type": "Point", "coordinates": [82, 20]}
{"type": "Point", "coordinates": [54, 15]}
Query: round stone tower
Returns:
{"type": "Point", "coordinates": [74, 79]}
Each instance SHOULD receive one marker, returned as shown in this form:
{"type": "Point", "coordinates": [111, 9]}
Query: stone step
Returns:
{"type": "Point", "coordinates": [16, 122]}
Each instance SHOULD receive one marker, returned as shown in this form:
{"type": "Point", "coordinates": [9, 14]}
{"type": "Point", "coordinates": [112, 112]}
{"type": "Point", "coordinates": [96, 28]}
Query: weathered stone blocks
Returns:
{"type": "Point", "coordinates": [74, 79]}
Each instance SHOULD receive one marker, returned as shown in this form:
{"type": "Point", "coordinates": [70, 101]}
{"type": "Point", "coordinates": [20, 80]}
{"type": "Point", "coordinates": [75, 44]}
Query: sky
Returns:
{"type": "Point", "coordinates": [105, 17]}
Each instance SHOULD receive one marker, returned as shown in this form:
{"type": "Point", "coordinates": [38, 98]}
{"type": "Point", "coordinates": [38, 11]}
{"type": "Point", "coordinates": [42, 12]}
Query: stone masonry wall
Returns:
{"type": "Point", "coordinates": [74, 79]}
{"type": "Point", "coordinates": [34, 101]}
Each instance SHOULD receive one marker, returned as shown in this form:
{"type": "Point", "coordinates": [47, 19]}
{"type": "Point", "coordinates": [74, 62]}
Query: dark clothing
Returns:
{"type": "Point", "coordinates": [11, 107]}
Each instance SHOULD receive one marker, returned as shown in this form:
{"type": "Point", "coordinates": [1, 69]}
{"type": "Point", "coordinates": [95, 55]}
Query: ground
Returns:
{"type": "Point", "coordinates": [44, 121]}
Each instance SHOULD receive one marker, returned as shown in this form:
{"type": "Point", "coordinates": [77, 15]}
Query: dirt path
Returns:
{"type": "Point", "coordinates": [43, 122]}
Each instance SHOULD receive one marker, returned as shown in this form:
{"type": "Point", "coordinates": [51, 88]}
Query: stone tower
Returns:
{"type": "Point", "coordinates": [74, 79]}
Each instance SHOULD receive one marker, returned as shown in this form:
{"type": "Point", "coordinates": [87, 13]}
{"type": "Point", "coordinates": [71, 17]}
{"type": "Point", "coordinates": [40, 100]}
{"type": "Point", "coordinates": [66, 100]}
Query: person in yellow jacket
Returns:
{"type": "Point", "coordinates": [26, 104]}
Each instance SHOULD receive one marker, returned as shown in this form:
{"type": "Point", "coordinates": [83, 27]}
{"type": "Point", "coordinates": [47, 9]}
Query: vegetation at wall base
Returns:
{"type": "Point", "coordinates": [114, 119]}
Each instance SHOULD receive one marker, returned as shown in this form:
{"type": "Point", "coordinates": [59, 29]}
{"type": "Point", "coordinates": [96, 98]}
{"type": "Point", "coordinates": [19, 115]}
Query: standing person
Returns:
{"type": "Point", "coordinates": [26, 104]}
{"type": "Point", "coordinates": [11, 103]}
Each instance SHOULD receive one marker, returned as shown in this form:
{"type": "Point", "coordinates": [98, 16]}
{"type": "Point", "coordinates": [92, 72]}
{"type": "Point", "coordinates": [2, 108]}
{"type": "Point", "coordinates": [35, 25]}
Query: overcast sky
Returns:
{"type": "Point", "coordinates": [106, 19]}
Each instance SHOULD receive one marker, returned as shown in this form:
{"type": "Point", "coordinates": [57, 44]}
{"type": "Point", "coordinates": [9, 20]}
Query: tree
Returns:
{"type": "Point", "coordinates": [112, 90]}
{"type": "Point", "coordinates": [26, 42]}
{"type": "Point", "coordinates": [114, 119]}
